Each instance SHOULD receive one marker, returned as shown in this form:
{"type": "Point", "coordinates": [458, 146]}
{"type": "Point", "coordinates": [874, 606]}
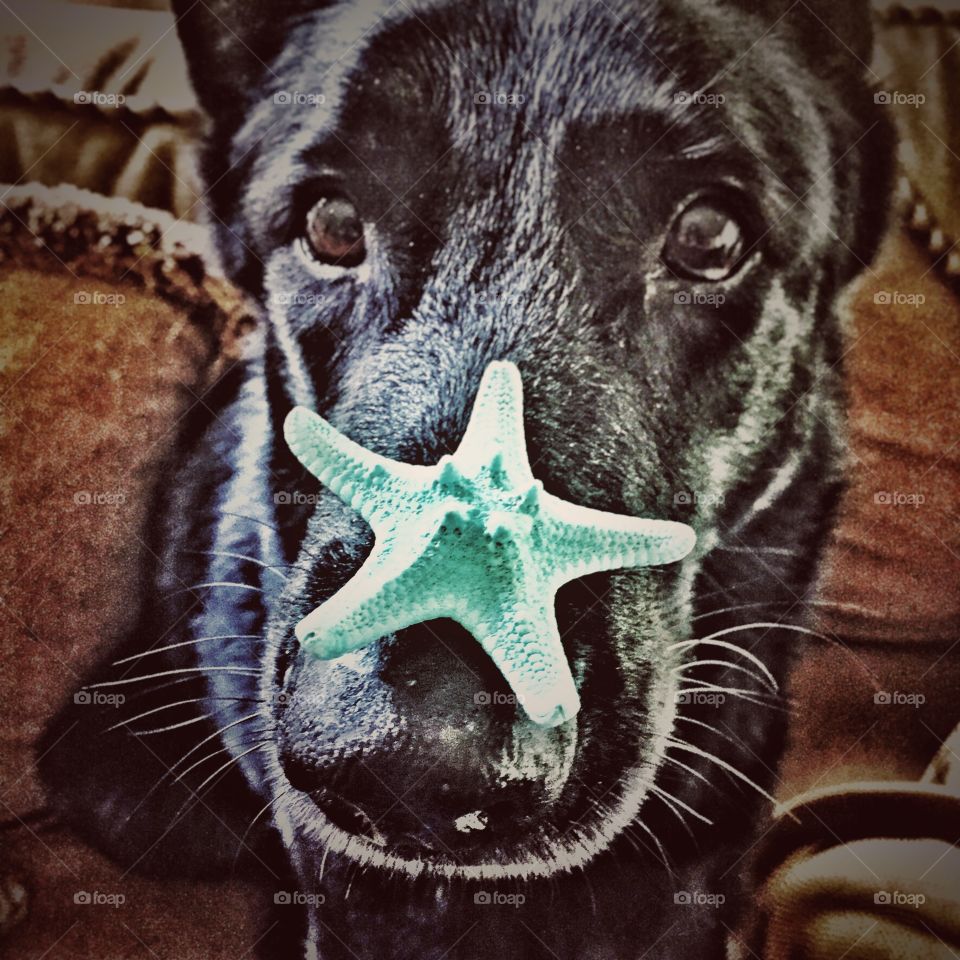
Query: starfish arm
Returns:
{"type": "Point", "coordinates": [375, 486]}
{"type": "Point", "coordinates": [495, 429]}
{"type": "Point", "coordinates": [404, 581]}
{"type": "Point", "coordinates": [579, 541]}
{"type": "Point", "coordinates": [381, 598]}
{"type": "Point", "coordinates": [525, 646]}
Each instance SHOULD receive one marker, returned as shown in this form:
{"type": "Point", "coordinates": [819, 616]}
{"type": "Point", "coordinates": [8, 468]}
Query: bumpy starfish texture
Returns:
{"type": "Point", "coordinates": [475, 539]}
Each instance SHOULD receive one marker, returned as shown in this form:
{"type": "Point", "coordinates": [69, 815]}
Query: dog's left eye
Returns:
{"type": "Point", "coordinates": [705, 241]}
{"type": "Point", "coordinates": [334, 232]}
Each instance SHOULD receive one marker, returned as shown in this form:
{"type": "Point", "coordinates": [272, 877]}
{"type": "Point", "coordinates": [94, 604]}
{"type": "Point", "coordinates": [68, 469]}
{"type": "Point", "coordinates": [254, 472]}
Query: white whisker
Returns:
{"type": "Point", "coordinates": [726, 665]}
{"type": "Point", "coordinates": [196, 797]}
{"type": "Point", "coordinates": [170, 706]}
{"type": "Point", "coordinates": [692, 684]}
{"type": "Point", "coordinates": [239, 671]}
{"type": "Point", "coordinates": [771, 625]}
{"type": "Point", "coordinates": [722, 734]}
{"type": "Point", "coordinates": [170, 770]}
{"type": "Point", "coordinates": [214, 584]}
{"type": "Point", "coordinates": [739, 774]}
{"type": "Point", "coordinates": [240, 556]}
{"type": "Point", "coordinates": [246, 833]}
{"type": "Point", "coordinates": [187, 643]}
{"type": "Point", "coordinates": [671, 799]}
{"type": "Point", "coordinates": [663, 858]}
{"type": "Point", "coordinates": [733, 648]}
{"type": "Point", "coordinates": [690, 770]}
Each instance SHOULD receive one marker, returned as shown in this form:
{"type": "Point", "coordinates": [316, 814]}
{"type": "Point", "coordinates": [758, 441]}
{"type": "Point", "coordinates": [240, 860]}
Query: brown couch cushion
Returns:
{"type": "Point", "coordinates": [112, 330]}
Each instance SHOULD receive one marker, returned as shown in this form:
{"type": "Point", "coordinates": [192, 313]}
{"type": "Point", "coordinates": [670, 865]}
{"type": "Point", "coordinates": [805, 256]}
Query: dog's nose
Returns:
{"type": "Point", "coordinates": [418, 743]}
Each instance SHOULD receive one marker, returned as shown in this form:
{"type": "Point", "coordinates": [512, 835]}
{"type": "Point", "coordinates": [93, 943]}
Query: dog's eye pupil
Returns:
{"type": "Point", "coordinates": [705, 242]}
{"type": "Point", "coordinates": [335, 232]}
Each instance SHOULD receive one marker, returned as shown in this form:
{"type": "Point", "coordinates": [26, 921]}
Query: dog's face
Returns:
{"type": "Point", "coordinates": [650, 208]}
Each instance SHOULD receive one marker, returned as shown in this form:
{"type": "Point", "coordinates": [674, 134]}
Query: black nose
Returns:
{"type": "Point", "coordinates": [416, 742]}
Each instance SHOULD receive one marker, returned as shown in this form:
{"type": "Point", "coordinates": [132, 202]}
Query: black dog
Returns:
{"type": "Point", "coordinates": [652, 209]}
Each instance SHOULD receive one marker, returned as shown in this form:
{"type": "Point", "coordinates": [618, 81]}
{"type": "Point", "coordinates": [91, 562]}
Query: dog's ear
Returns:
{"type": "Point", "coordinates": [229, 45]}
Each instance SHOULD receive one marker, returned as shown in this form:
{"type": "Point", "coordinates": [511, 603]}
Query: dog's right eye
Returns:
{"type": "Point", "coordinates": [705, 242]}
{"type": "Point", "coordinates": [334, 232]}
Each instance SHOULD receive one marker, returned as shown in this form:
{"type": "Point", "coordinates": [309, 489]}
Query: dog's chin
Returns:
{"type": "Point", "coordinates": [548, 852]}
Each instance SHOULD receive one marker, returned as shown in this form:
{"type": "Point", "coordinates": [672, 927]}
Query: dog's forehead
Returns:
{"type": "Point", "coordinates": [570, 59]}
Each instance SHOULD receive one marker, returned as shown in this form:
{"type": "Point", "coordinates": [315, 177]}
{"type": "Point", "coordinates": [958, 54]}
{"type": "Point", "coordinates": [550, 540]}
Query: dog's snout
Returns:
{"type": "Point", "coordinates": [430, 757]}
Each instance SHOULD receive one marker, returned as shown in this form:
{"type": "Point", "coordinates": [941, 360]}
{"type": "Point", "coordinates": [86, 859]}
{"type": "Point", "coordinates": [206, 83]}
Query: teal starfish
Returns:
{"type": "Point", "coordinates": [474, 538]}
